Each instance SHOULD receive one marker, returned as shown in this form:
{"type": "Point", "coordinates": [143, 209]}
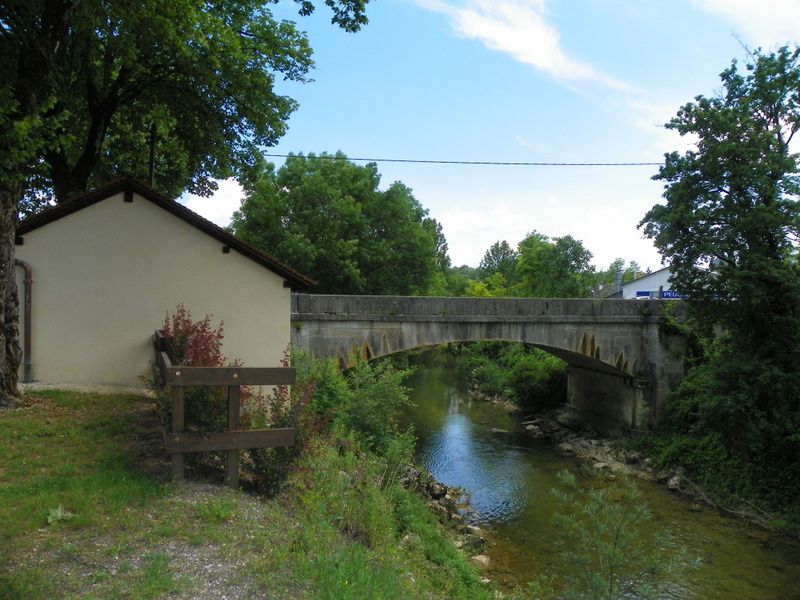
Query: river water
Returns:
{"type": "Point", "coordinates": [508, 475]}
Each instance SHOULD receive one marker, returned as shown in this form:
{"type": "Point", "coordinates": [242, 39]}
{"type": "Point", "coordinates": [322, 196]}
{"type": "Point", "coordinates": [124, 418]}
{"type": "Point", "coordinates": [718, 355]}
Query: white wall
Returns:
{"type": "Point", "coordinates": [648, 283]}
{"type": "Point", "coordinates": [105, 276]}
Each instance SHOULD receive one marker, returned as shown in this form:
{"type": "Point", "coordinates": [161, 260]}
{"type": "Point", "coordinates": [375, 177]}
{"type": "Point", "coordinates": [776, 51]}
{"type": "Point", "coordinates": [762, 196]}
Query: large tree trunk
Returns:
{"type": "Point", "coordinates": [9, 309]}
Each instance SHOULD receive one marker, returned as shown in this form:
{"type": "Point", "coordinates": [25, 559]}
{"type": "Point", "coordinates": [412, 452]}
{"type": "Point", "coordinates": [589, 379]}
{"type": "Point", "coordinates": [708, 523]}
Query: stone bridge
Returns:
{"type": "Point", "coordinates": [622, 359]}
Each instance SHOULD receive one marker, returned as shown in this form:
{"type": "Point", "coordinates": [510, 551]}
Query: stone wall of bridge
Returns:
{"type": "Point", "coordinates": [622, 360]}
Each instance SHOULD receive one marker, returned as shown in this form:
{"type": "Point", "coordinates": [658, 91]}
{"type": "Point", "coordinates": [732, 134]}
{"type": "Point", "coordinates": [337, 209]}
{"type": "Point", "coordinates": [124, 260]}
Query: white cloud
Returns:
{"type": "Point", "coordinates": [220, 207]}
{"type": "Point", "coordinates": [598, 206]}
{"type": "Point", "coordinates": [470, 232]}
{"type": "Point", "coordinates": [519, 28]}
{"type": "Point", "coordinates": [650, 118]}
{"type": "Point", "coordinates": [766, 23]}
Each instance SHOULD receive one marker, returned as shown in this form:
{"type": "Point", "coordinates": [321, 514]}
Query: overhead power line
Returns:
{"type": "Point", "coordinates": [479, 162]}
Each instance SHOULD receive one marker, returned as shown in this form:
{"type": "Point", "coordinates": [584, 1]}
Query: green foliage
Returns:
{"type": "Point", "coordinates": [612, 546]}
{"type": "Point", "coordinates": [540, 268]}
{"type": "Point", "coordinates": [325, 216]}
{"type": "Point", "coordinates": [554, 268]}
{"type": "Point", "coordinates": [539, 380]}
{"type": "Point", "coordinates": [527, 376]}
{"type": "Point", "coordinates": [58, 514]}
{"type": "Point", "coordinates": [729, 229]}
{"type": "Point", "coordinates": [370, 409]}
{"type": "Point", "coordinates": [732, 203]}
{"type": "Point", "coordinates": [363, 403]}
{"type": "Point", "coordinates": [459, 278]}
{"type": "Point", "coordinates": [116, 69]}
{"type": "Point", "coordinates": [491, 286]}
{"type": "Point", "coordinates": [215, 511]}
{"type": "Point", "coordinates": [356, 526]}
{"type": "Point", "coordinates": [499, 258]}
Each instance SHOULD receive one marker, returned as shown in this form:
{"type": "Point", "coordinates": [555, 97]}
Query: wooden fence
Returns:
{"type": "Point", "coordinates": [178, 442]}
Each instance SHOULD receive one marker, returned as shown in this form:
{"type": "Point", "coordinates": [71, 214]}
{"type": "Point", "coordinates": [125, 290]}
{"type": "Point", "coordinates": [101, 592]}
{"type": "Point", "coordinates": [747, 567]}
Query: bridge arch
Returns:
{"type": "Point", "coordinates": [622, 362]}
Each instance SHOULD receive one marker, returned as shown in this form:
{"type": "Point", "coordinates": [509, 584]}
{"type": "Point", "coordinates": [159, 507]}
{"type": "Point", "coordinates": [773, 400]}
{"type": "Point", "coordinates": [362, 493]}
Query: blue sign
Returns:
{"type": "Point", "coordinates": [671, 294]}
{"type": "Point", "coordinates": [666, 294]}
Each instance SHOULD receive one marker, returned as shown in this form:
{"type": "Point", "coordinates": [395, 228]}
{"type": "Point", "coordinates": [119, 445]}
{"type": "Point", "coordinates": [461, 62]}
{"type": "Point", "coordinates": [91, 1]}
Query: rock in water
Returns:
{"type": "Point", "coordinates": [481, 561]}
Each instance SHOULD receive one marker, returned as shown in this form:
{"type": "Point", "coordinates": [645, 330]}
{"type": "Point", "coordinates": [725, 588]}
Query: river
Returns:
{"type": "Point", "coordinates": [509, 475]}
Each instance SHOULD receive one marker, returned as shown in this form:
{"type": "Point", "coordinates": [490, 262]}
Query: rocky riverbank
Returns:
{"type": "Point", "coordinates": [605, 454]}
{"type": "Point", "coordinates": [451, 506]}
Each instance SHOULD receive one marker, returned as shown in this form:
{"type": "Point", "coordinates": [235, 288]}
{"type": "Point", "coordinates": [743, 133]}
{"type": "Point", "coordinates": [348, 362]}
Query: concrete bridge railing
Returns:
{"type": "Point", "coordinates": [622, 360]}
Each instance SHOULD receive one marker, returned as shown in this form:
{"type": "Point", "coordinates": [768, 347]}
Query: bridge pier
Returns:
{"type": "Point", "coordinates": [606, 401]}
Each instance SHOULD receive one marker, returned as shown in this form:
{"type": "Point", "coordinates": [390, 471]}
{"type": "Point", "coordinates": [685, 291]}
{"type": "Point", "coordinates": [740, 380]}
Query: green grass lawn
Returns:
{"type": "Point", "coordinates": [86, 511]}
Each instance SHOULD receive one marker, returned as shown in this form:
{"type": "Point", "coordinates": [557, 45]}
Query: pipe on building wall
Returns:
{"type": "Point", "coordinates": [26, 344]}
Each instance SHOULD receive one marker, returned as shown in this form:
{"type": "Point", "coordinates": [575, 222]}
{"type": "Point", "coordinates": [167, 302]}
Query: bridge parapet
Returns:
{"type": "Point", "coordinates": [399, 308]}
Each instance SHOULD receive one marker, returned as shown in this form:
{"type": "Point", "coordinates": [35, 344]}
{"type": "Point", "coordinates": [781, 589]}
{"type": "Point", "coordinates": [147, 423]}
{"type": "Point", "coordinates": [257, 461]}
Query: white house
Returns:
{"type": "Point", "coordinates": [107, 267]}
{"type": "Point", "coordinates": [651, 285]}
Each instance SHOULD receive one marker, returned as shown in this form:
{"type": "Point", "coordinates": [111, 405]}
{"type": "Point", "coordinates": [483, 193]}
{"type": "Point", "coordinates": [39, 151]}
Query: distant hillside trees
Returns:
{"type": "Point", "coordinates": [540, 267]}
{"type": "Point", "coordinates": [326, 217]}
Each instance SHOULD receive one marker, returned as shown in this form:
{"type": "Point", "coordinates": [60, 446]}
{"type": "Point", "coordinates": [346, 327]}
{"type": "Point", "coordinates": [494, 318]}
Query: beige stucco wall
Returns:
{"type": "Point", "coordinates": [105, 276]}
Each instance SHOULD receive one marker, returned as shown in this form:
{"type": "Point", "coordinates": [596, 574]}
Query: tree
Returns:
{"type": "Point", "coordinates": [609, 537]}
{"type": "Point", "coordinates": [729, 229]}
{"type": "Point", "coordinates": [557, 268]}
{"type": "Point", "coordinates": [199, 75]}
{"type": "Point", "coordinates": [491, 286]}
{"type": "Point", "coordinates": [499, 258]}
{"type": "Point", "coordinates": [617, 273]}
{"type": "Point", "coordinates": [326, 217]}
{"type": "Point", "coordinates": [730, 222]}
{"type": "Point", "coordinates": [82, 82]}
{"type": "Point", "coordinates": [459, 279]}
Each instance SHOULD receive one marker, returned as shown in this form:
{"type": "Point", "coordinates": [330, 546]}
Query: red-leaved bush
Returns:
{"type": "Point", "coordinates": [199, 344]}
{"type": "Point", "coordinates": [195, 343]}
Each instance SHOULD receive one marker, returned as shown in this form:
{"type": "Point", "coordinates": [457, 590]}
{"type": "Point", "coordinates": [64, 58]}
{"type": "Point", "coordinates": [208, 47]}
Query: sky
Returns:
{"type": "Point", "coordinates": [518, 81]}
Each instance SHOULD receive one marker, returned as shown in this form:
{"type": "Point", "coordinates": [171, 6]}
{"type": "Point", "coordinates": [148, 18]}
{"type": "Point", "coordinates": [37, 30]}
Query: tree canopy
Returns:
{"type": "Point", "coordinates": [729, 229]}
{"type": "Point", "coordinates": [554, 268]}
{"type": "Point", "coordinates": [200, 75]}
{"type": "Point", "coordinates": [499, 258]}
{"type": "Point", "coordinates": [731, 220]}
{"type": "Point", "coordinates": [325, 216]}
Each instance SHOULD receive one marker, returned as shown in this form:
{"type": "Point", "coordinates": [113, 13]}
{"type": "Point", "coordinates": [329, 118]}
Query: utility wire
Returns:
{"type": "Point", "coordinates": [478, 162]}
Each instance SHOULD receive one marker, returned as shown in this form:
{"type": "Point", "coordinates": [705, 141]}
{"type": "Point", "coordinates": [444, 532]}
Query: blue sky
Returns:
{"type": "Point", "coordinates": [519, 81]}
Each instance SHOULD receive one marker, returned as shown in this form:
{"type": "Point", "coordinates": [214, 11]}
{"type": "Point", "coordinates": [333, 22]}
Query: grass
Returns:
{"type": "Point", "coordinates": [86, 512]}
{"type": "Point", "coordinates": [68, 452]}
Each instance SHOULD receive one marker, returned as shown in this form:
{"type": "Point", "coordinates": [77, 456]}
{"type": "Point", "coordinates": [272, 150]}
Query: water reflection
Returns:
{"type": "Point", "coordinates": [509, 475]}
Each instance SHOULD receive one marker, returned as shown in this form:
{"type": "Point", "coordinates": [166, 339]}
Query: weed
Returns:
{"type": "Point", "coordinates": [59, 514]}
{"type": "Point", "coordinates": [68, 551]}
{"type": "Point", "coordinates": [215, 511]}
{"type": "Point", "coordinates": [156, 579]}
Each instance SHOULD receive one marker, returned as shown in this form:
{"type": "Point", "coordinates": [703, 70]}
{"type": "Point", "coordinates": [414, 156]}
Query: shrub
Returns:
{"type": "Point", "coordinates": [194, 343]}
{"type": "Point", "coordinates": [523, 374]}
{"type": "Point", "coordinates": [610, 541]}
{"type": "Point", "coordinates": [370, 407]}
{"type": "Point", "coordinates": [539, 380]}
{"type": "Point", "coordinates": [199, 344]}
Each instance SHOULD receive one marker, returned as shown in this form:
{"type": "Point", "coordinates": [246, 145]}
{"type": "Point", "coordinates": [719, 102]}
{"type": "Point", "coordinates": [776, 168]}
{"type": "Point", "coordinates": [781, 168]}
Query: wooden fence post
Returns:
{"type": "Point", "coordinates": [177, 427]}
{"type": "Point", "coordinates": [177, 377]}
{"type": "Point", "coordinates": [234, 420]}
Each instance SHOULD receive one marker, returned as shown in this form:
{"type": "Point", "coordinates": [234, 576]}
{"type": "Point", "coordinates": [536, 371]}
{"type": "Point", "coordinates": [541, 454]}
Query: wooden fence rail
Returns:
{"type": "Point", "coordinates": [177, 442]}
